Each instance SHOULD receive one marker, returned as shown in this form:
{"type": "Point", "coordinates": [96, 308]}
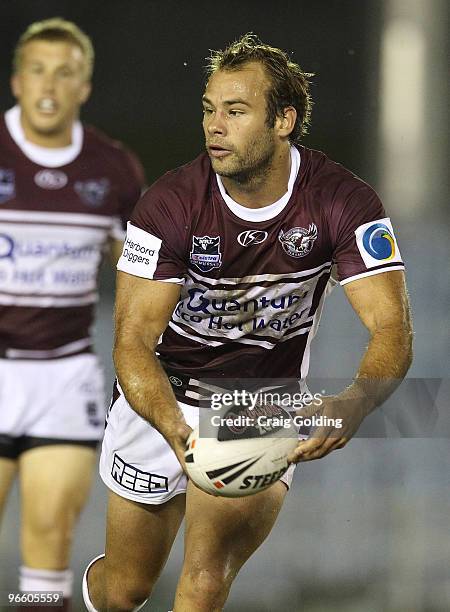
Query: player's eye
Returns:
{"type": "Point", "coordinates": [207, 111]}
{"type": "Point", "coordinates": [35, 69]}
{"type": "Point", "coordinates": [234, 112]}
{"type": "Point", "coordinates": [65, 72]}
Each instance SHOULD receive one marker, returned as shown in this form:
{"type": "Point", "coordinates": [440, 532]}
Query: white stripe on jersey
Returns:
{"type": "Point", "coordinates": [67, 349]}
{"type": "Point", "coordinates": [47, 301]}
{"type": "Point", "coordinates": [117, 231]}
{"type": "Point", "coordinates": [255, 279]}
{"type": "Point", "coordinates": [55, 218]}
{"type": "Point", "coordinates": [371, 273]}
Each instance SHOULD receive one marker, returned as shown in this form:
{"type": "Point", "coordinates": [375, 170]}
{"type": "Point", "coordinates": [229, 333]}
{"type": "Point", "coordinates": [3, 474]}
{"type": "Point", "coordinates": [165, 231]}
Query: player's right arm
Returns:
{"type": "Point", "coordinates": [142, 313]}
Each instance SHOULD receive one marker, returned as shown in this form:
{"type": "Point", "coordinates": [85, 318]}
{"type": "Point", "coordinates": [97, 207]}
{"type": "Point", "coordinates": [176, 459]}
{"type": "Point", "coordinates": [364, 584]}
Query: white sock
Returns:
{"type": "Point", "coordinates": [31, 579]}
{"type": "Point", "coordinates": [87, 600]}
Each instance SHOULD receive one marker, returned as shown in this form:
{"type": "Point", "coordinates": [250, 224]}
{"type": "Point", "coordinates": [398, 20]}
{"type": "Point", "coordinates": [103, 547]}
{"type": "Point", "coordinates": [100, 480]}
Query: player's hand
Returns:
{"type": "Point", "coordinates": [346, 416]}
{"type": "Point", "coordinates": [179, 447]}
{"type": "Point", "coordinates": [178, 442]}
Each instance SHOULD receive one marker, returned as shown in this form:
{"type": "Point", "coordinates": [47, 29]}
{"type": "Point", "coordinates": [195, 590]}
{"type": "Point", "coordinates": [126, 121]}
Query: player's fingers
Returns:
{"type": "Point", "coordinates": [324, 449]}
{"type": "Point", "coordinates": [313, 444]}
{"type": "Point", "coordinates": [183, 431]}
{"type": "Point", "coordinates": [327, 447]}
{"type": "Point", "coordinates": [305, 448]}
{"type": "Point", "coordinates": [340, 443]}
{"type": "Point", "coordinates": [321, 449]}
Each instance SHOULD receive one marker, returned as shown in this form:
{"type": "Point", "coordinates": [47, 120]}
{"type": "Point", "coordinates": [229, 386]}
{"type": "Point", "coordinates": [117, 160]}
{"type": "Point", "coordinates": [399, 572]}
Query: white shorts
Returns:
{"type": "Point", "coordinates": [58, 398]}
{"type": "Point", "coordinates": [136, 461]}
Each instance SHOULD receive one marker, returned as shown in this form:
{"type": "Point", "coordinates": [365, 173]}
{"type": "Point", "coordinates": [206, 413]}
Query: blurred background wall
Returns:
{"type": "Point", "coordinates": [367, 528]}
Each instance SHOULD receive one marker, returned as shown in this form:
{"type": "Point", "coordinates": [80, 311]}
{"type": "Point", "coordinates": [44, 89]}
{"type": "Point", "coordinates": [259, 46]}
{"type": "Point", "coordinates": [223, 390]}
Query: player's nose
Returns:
{"type": "Point", "coordinates": [48, 83]}
{"type": "Point", "coordinates": [216, 124]}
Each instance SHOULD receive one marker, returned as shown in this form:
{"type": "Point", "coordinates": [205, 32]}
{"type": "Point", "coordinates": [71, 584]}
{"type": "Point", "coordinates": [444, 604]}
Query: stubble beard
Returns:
{"type": "Point", "coordinates": [251, 168]}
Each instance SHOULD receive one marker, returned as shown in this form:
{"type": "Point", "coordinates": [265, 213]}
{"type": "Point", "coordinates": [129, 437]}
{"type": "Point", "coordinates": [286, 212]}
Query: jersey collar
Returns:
{"type": "Point", "coordinates": [44, 156]}
{"type": "Point", "coordinates": [266, 212]}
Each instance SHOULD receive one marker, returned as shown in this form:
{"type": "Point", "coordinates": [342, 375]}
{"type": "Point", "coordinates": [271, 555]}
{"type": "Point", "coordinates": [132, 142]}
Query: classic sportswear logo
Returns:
{"type": "Point", "coordinates": [250, 237]}
{"type": "Point", "coordinates": [376, 243]}
{"type": "Point", "coordinates": [133, 479]}
{"type": "Point", "coordinates": [50, 179]}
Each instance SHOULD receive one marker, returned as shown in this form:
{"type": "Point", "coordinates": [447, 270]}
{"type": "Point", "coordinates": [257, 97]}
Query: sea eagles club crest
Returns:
{"type": "Point", "coordinates": [94, 191]}
{"type": "Point", "coordinates": [298, 241]}
{"type": "Point", "coordinates": [205, 253]}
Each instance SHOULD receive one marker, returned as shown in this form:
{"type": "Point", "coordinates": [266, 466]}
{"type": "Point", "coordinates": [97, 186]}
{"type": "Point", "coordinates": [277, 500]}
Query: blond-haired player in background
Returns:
{"type": "Point", "coordinates": [66, 192]}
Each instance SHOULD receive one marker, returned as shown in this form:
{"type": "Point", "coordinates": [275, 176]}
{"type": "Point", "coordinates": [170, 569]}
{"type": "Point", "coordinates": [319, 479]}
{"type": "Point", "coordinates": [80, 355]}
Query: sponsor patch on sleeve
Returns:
{"type": "Point", "coordinates": [377, 244]}
{"type": "Point", "coordinates": [140, 253]}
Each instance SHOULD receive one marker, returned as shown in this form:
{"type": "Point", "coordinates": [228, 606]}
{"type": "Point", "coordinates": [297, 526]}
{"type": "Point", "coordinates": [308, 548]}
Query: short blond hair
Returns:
{"type": "Point", "coordinates": [54, 30]}
{"type": "Point", "coordinates": [288, 84]}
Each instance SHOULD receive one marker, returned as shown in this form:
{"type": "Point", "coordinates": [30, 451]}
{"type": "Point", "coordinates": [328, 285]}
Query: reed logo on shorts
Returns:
{"type": "Point", "coordinates": [133, 479]}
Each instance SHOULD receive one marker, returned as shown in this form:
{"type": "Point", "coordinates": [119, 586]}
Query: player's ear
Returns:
{"type": "Point", "coordinates": [85, 92]}
{"type": "Point", "coordinates": [15, 86]}
{"type": "Point", "coordinates": [285, 123]}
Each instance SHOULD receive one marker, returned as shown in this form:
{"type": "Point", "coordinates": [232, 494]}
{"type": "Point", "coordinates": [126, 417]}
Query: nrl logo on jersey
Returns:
{"type": "Point", "coordinates": [205, 253]}
{"type": "Point", "coordinates": [298, 241]}
{"type": "Point", "coordinates": [7, 185]}
{"type": "Point", "coordinates": [93, 192]}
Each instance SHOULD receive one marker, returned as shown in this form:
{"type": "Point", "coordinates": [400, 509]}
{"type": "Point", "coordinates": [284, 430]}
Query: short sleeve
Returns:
{"type": "Point", "coordinates": [363, 236]}
{"type": "Point", "coordinates": [154, 246]}
{"type": "Point", "coordinates": [131, 186]}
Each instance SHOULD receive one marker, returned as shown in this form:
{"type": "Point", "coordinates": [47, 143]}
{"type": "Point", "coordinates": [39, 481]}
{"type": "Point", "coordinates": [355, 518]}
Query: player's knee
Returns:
{"type": "Point", "coordinates": [126, 590]}
{"type": "Point", "coordinates": [50, 525]}
{"type": "Point", "coordinates": [125, 597]}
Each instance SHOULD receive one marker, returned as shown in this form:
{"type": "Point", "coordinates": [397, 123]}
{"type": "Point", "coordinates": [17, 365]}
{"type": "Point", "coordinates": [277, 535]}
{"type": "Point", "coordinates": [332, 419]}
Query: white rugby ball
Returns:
{"type": "Point", "coordinates": [241, 466]}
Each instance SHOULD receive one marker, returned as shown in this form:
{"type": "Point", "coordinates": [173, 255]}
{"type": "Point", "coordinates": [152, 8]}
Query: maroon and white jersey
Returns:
{"type": "Point", "coordinates": [254, 280]}
{"type": "Point", "coordinates": [58, 209]}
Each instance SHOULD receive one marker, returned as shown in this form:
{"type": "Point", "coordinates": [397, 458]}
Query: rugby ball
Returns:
{"type": "Point", "coordinates": [237, 458]}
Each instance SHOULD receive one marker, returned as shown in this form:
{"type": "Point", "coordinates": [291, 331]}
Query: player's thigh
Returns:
{"type": "Point", "coordinates": [8, 470]}
{"type": "Point", "coordinates": [222, 533]}
{"type": "Point", "coordinates": [139, 538]}
{"type": "Point", "coordinates": [55, 481]}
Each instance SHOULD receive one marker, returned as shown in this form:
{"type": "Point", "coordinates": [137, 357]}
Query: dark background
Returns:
{"type": "Point", "coordinates": [150, 57]}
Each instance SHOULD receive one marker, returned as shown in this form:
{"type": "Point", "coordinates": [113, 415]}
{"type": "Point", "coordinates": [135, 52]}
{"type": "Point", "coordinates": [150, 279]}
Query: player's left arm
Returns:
{"type": "Point", "coordinates": [131, 185]}
{"type": "Point", "coordinates": [115, 251]}
{"type": "Point", "coordinates": [381, 303]}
